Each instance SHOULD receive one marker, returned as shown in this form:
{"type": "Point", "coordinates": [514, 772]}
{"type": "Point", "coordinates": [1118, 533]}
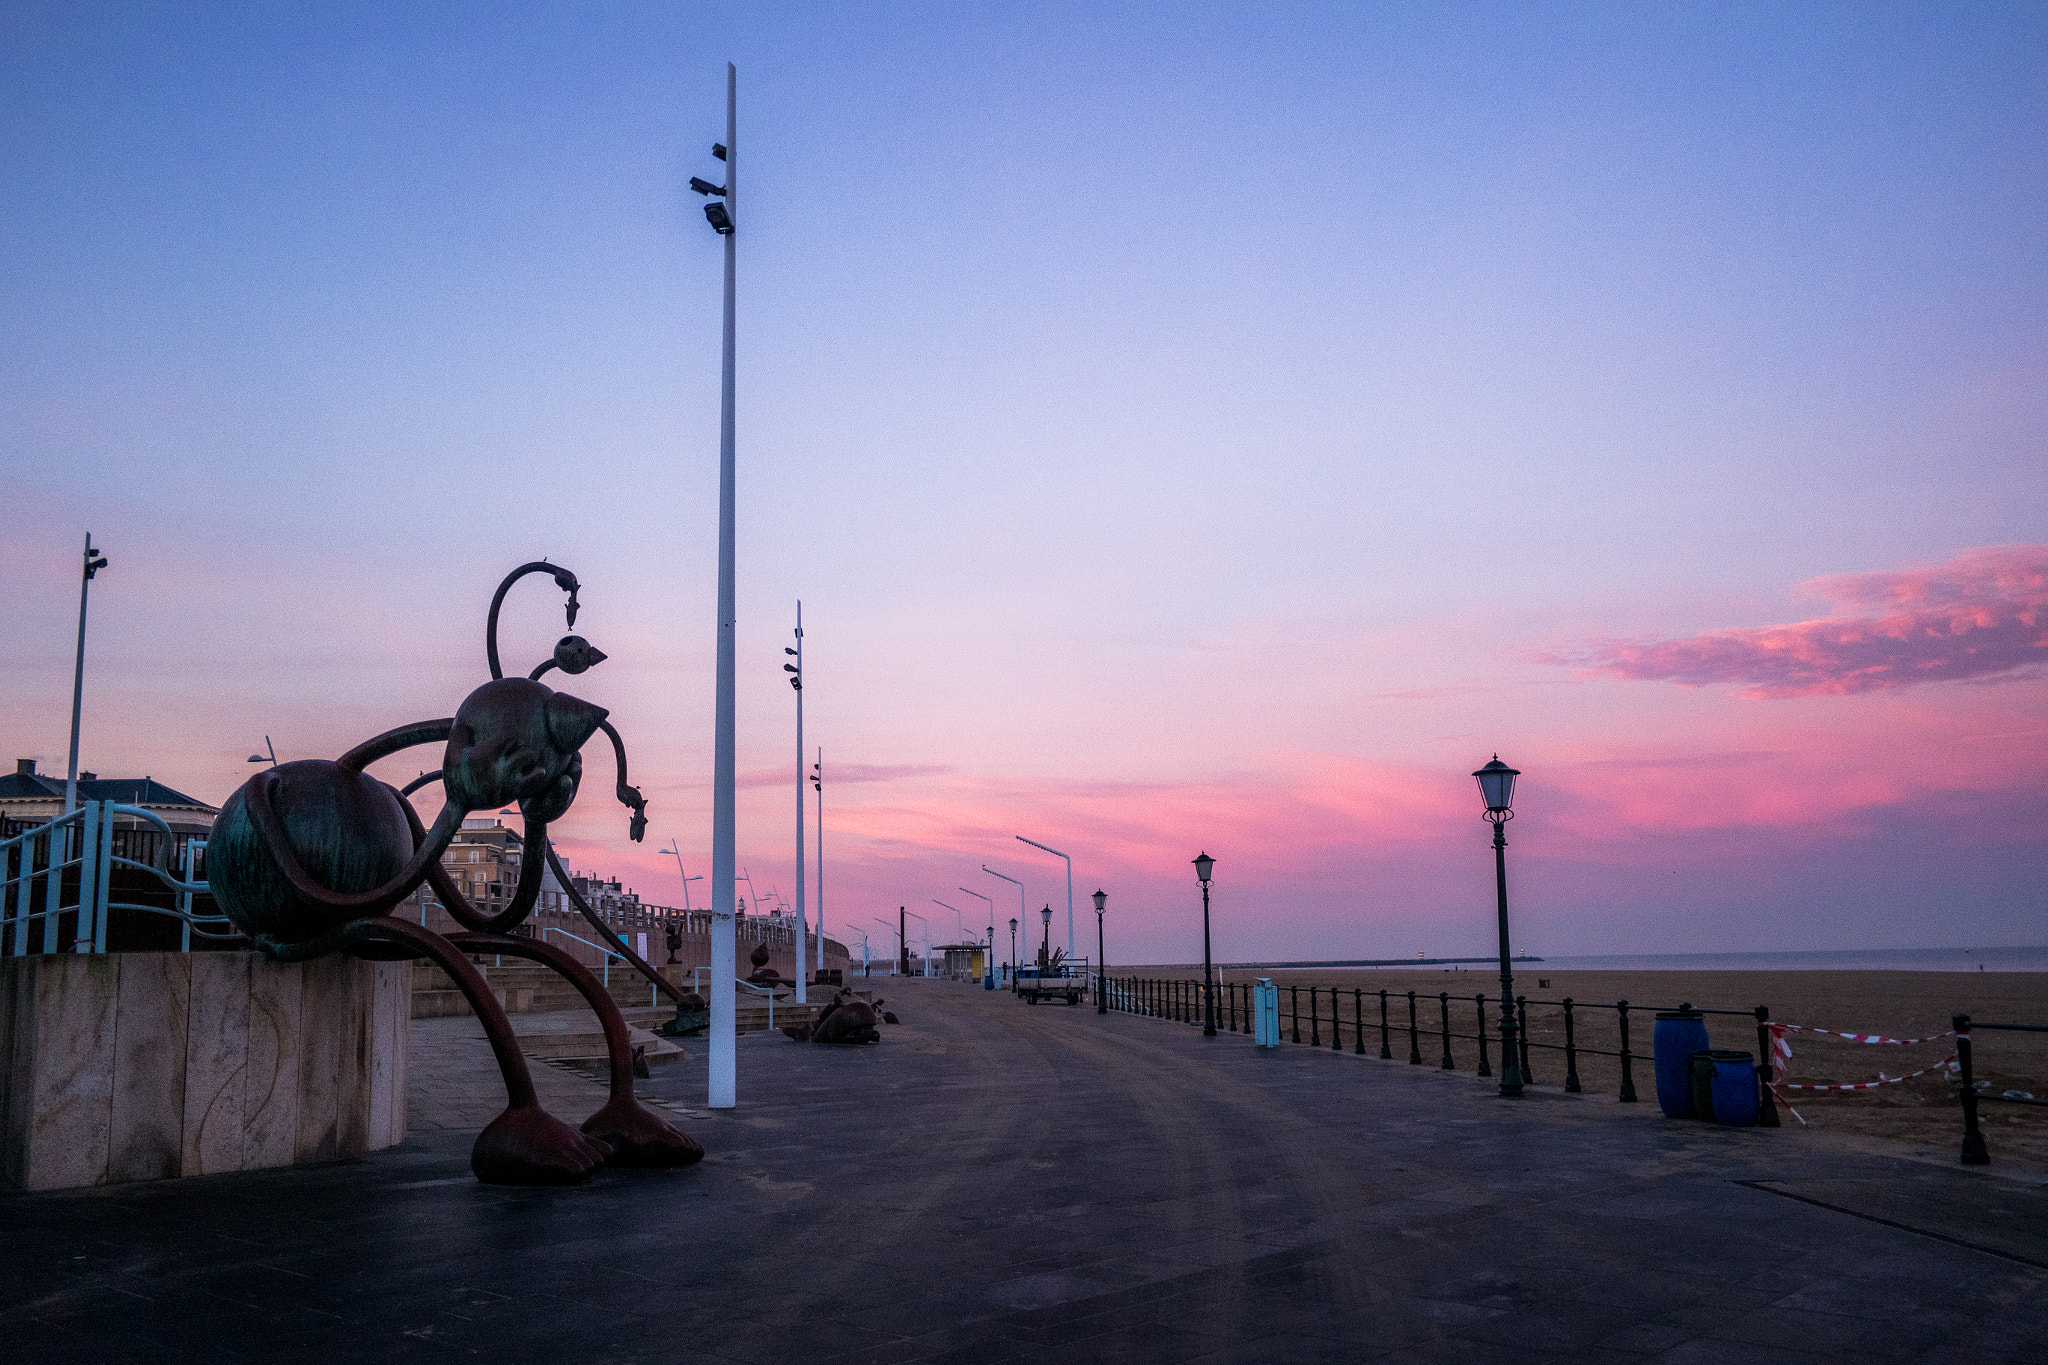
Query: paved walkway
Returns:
{"type": "Point", "coordinates": [999, 1182]}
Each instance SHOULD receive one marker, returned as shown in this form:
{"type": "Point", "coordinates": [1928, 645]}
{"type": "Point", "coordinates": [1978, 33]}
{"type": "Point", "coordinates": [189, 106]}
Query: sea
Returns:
{"type": "Point", "coordinates": [1838, 960]}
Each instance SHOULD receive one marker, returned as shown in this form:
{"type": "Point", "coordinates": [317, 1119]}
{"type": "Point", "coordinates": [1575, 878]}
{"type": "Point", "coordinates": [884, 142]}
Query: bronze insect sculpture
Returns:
{"type": "Point", "coordinates": [310, 858]}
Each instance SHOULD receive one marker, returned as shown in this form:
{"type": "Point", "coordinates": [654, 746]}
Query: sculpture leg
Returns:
{"type": "Point", "coordinates": [636, 1137]}
{"type": "Point", "coordinates": [525, 1145]}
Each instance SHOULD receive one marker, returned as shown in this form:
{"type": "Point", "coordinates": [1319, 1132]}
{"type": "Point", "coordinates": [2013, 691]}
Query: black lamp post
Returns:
{"type": "Point", "coordinates": [1204, 865]}
{"type": "Point", "coordinates": [1497, 786]}
{"type": "Point", "coordinates": [1013, 957]}
{"type": "Point", "coordinates": [1101, 995]}
{"type": "Point", "coordinates": [1045, 949]}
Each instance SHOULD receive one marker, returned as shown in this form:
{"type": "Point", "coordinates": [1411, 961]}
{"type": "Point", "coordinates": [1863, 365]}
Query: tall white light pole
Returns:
{"type": "Point", "coordinates": [723, 1089]}
{"type": "Point", "coordinates": [927, 940]}
{"type": "Point", "coordinates": [677, 853]}
{"type": "Point", "coordinates": [1020, 893]}
{"type": "Point", "coordinates": [988, 978]}
{"type": "Point", "coordinates": [796, 680]}
{"type": "Point", "coordinates": [1070, 889]}
{"type": "Point", "coordinates": [92, 566]}
{"type": "Point", "coordinates": [818, 783]}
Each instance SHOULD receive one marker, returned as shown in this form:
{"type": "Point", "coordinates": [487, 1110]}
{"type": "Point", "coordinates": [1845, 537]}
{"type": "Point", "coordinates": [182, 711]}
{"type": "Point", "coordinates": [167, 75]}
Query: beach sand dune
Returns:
{"type": "Point", "coordinates": [1922, 1114]}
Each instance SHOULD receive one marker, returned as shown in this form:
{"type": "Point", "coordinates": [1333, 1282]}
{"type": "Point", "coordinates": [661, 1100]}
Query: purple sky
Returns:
{"type": "Point", "coordinates": [1188, 428]}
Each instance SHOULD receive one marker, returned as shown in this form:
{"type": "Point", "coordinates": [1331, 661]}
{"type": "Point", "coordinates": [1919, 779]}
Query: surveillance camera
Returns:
{"type": "Point", "coordinates": [720, 220]}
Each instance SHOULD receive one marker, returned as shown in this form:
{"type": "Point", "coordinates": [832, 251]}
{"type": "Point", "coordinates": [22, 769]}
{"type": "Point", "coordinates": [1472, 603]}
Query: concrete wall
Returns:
{"type": "Point", "coordinates": [143, 1066]}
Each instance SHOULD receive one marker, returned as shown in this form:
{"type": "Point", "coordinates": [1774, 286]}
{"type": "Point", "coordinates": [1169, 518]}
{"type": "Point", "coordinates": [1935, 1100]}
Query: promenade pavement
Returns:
{"type": "Point", "coordinates": [1001, 1182]}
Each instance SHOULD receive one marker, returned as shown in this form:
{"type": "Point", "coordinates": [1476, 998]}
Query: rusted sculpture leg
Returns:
{"type": "Point", "coordinates": [636, 1137]}
{"type": "Point", "coordinates": [525, 1145]}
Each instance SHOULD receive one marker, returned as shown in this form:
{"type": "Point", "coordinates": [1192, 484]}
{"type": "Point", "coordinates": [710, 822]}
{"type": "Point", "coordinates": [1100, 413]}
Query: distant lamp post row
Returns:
{"type": "Point", "coordinates": [1497, 788]}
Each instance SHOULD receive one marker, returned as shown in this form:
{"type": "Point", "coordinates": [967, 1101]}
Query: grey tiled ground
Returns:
{"type": "Point", "coordinates": [996, 1182]}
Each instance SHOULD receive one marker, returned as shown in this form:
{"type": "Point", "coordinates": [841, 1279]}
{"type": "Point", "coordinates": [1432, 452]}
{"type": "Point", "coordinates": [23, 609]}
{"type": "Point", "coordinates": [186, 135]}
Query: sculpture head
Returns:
{"type": "Point", "coordinates": [516, 740]}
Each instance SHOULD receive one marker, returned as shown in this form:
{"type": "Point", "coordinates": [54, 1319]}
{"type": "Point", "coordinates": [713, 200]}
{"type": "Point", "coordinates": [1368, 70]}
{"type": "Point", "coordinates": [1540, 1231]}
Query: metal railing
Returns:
{"type": "Point", "coordinates": [68, 864]}
{"type": "Point", "coordinates": [1975, 1153]}
{"type": "Point", "coordinates": [1181, 1000]}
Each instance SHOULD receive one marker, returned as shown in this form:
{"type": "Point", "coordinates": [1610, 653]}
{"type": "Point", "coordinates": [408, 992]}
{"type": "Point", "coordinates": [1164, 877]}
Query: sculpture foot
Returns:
{"type": "Point", "coordinates": [529, 1146]}
{"type": "Point", "coordinates": [639, 1139]}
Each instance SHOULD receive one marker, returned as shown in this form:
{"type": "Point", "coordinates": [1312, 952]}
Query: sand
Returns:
{"type": "Point", "coordinates": [1922, 1115]}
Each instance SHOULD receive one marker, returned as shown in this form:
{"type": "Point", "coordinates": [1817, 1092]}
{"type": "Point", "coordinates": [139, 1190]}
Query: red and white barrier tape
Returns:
{"type": "Point", "coordinates": [1882, 1080]}
{"type": "Point", "coordinates": [1862, 1037]}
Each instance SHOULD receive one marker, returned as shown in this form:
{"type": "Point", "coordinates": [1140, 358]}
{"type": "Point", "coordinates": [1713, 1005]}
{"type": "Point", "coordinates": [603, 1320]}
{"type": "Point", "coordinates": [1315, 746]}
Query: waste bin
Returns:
{"type": "Point", "coordinates": [1266, 1013]}
{"type": "Point", "coordinates": [1679, 1034]}
{"type": "Point", "coordinates": [1734, 1089]}
{"type": "Point", "coordinates": [1718, 1100]}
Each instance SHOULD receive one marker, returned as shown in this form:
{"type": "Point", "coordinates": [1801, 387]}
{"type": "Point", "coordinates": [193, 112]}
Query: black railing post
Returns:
{"type": "Point", "coordinates": [1479, 1008]}
{"type": "Point", "coordinates": [1766, 1105]}
{"type": "Point", "coordinates": [1336, 1028]}
{"type": "Point", "coordinates": [1358, 1017]}
{"type": "Point", "coordinates": [1443, 1004]}
{"type": "Point", "coordinates": [1522, 1018]}
{"type": "Point", "coordinates": [1386, 1047]}
{"type": "Point", "coordinates": [1414, 1038]}
{"type": "Point", "coordinates": [1628, 1071]}
{"type": "Point", "coordinates": [1571, 1052]}
{"type": "Point", "coordinates": [1294, 1008]}
{"type": "Point", "coordinates": [1315, 1019]}
{"type": "Point", "coordinates": [1974, 1151]}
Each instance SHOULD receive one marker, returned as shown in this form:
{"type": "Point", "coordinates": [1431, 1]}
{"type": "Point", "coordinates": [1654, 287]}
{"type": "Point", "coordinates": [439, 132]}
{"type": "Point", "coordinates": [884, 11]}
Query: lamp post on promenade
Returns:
{"type": "Point", "coordinates": [927, 944]}
{"type": "Point", "coordinates": [818, 785]}
{"type": "Point", "coordinates": [677, 854]}
{"type": "Point", "coordinates": [796, 681]}
{"type": "Point", "coordinates": [92, 566]}
{"type": "Point", "coordinates": [1070, 886]}
{"type": "Point", "coordinates": [1045, 949]}
{"type": "Point", "coordinates": [1022, 913]}
{"type": "Point", "coordinates": [1204, 865]}
{"type": "Point", "coordinates": [1101, 980]}
{"type": "Point", "coordinates": [258, 758]}
{"type": "Point", "coordinates": [720, 212]}
{"type": "Point", "coordinates": [1497, 786]}
{"type": "Point", "coordinates": [988, 980]}
{"type": "Point", "coordinates": [959, 919]}
{"type": "Point", "coordinates": [1013, 955]}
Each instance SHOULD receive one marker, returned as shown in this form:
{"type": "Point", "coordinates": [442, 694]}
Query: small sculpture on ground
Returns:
{"type": "Point", "coordinates": [764, 975]}
{"type": "Point", "coordinates": [310, 858]}
{"type": "Point", "coordinates": [844, 1022]}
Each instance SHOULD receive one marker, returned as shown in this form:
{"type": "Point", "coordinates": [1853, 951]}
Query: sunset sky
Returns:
{"type": "Point", "coordinates": [1188, 427]}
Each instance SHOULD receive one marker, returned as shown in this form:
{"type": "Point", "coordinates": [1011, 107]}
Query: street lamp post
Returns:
{"type": "Point", "coordinates": [927, 944]}
{"type": "Point", "coordinates": [1022, 913]}
{"type": "Point", "coordinates": [796, 680]}
{"type": "Point", "coordinates": [1045, 949]}
{"type": "Point", "coordinates": [988, 980]}
{"type": "Point", "coordinates": [1070, 886]}
{"type": "Point", "coordinates": [1013, 956]}
{"type": "Point", "coordinates": [1101, 981]}
{"type": "Point", "coordinates": [1204, 865]}
{"type": "Point", "coordinates": [92, 566]}
{"type": "Point", "coordinates": [1497, 786]}
{"type": "Point", "coordinates": [722, 1068]}
{"type": "Point", "coordinates": [818, 785]}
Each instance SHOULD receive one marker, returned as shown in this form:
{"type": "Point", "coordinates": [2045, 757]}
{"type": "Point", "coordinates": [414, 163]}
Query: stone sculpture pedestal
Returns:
{"type": "Point", "coordinates": [143, 1066]}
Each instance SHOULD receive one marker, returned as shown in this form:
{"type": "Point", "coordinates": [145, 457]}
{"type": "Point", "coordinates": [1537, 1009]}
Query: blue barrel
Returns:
{"type": "Point", "coordinates": [1735, 1089]}
{"type": "Point", "coordinates": [1679, 1034]}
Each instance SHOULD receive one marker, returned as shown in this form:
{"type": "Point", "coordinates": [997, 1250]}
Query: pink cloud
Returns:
{"type": "Point", "coordinates": [1980, 615]}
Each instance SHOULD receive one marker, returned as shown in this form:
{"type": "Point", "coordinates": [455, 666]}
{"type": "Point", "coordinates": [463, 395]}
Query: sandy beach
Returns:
{"type": "Point", "coordinates": [1922, 1114]}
